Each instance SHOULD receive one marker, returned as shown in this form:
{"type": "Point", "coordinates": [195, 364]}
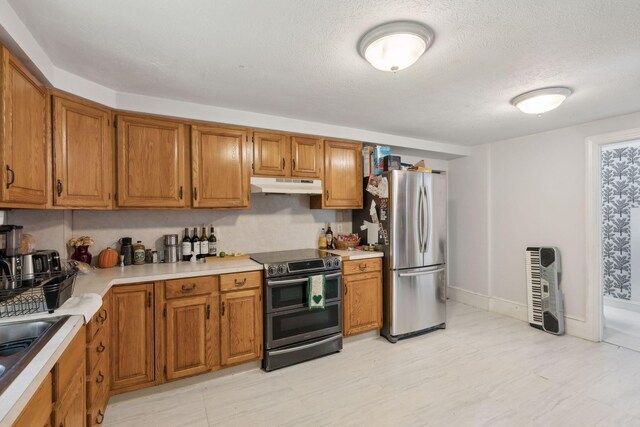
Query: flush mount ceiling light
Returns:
{"type": "Point", "coordinates": [541, 100]}
{"type": "Point", "coordinates": [396, 45]}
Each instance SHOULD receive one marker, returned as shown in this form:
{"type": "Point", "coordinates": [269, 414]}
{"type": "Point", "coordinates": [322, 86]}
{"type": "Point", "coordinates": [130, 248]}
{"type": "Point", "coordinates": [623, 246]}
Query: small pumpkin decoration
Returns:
{"type": "Point", "coordinates": [108, 258]}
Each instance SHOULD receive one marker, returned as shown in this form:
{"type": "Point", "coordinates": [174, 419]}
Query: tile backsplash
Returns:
{"type": "Point", "coordinates": [274, 222]}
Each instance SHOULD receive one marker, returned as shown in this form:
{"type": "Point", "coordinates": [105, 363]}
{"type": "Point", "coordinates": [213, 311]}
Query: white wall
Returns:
{"type": "Point", "coordinates": [536, 196]}
{"type": "Point", "coordinates": [275, 222]}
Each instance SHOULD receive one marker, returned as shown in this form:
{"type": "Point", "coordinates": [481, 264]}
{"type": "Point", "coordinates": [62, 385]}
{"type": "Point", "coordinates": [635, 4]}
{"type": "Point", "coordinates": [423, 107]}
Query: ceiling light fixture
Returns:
{"type": "Point", "coordinates": [541, 100]}
{"type": "Point", "coordinates": [396, 45]}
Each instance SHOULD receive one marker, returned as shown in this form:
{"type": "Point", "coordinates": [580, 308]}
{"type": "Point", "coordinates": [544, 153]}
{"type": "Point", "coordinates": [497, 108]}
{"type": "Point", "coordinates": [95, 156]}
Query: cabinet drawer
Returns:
{"type": "Point", "coordinates": [97, 321]}
{"type": "Point", "coordinates": [362, 266]}
{"type": "Point", "coordinates": [95, 414]}
{"type": "Point", "coordinates": [238, 281]}
{"type": "Point", "coordinates": [97, 349]}
{"type": "Point", "coordinates": [191, 286]}
{"type": "Point", "coordinates": [98, 383]}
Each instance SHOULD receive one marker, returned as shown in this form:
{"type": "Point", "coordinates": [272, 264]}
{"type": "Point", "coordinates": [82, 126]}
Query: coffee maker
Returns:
{"type": "Point", "coordinates": [10, 256]}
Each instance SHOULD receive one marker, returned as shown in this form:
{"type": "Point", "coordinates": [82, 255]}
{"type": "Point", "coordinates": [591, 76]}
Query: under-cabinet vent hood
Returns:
{"type": "Point", "coordinates": [285, 185]}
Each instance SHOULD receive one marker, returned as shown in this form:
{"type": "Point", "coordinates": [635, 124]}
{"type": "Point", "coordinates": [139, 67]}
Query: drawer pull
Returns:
{"type": "Point", "coordinates": [186, 288]}
{"type": "Point", "coordinates": [100, 417]}
{"type": "Point", "coordinates": [362, 266]}
{"type": "Point", "coordinates": [240, 282]}
{"type": "Point", "coordinates": [99, 378]}
{"type": "Point", "coordinates": [100, 348]}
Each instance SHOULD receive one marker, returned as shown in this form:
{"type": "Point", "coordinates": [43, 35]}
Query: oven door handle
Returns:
{"type": "Point", "coordinates": [302, 347]}
{"type": "Point", "coordinates": [302, 280]}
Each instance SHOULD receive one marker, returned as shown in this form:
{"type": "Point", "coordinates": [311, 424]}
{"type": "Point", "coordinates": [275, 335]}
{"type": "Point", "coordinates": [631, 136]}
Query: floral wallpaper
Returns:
{"type": "Point", "coordinates": [620, 193]}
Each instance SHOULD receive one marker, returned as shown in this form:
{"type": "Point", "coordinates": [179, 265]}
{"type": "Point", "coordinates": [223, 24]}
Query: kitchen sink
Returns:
{"type": "Point", "coordinates": [20, 341]}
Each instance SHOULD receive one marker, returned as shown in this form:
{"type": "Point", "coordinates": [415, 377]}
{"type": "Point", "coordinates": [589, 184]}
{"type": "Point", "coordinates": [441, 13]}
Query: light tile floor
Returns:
{"type": "Point", "coordinates": [622, 327]}
{"type": "Point", "coordinates": [484, 369]}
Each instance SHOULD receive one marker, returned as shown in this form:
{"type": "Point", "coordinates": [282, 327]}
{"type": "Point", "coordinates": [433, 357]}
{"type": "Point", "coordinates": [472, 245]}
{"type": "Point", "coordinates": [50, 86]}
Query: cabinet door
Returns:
{"type": "Point", "coordinates": [342, 175]}
{"type": "Point", "coordinates": [271, 154]}
{"type": "Point", "coordinates": [151, 163]}
{"type": "Point", "coordinates": [71, 410]}
{"type": "Point", "coordinates": [362, 309]}
{"type": "Point", "coordinates": [306, 157]}
{"type": "Point", "coordinates": [83, 154]}
{"type": "Point", "coordinates": [132, 337]}
{"type": "Point", "coordinates": [240, 326]}
{"type": "Point", "coordinates": [25, 154]}
{"type": "Point", "coordinates": [38, 411]}
{"type": "Point", "coordinates": [192, 338]}
{"type": "Point", "coordinates": [219, 167]}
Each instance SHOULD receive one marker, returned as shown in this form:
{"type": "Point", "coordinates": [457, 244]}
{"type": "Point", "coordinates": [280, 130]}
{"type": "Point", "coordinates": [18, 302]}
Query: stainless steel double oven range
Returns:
{"type": "Point", "coordinates": [292, 332]}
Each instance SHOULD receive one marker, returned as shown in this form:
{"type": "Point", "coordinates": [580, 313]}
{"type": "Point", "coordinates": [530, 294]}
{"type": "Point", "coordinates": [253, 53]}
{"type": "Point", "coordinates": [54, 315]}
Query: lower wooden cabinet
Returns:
{"type": "Point", "coordinates": [132, 337]}
{"type": "Point", "coordinates": [99, 363]}
{"type": "Point", "coordinates": [70, 383]}
{"type": "Point", "coordinates": [71, 410]}
{"type": "Point", "coordinates": [362, 300]}
{"type": "Point", "coordinates": [241, 326]}
{"type": "Point", "coordinates": [39, 410]}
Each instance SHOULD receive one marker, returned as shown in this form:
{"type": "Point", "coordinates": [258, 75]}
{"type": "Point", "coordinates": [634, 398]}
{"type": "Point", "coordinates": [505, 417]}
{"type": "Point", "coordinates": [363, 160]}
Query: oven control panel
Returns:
{"type": "Point", "coordinates": [307, 266]}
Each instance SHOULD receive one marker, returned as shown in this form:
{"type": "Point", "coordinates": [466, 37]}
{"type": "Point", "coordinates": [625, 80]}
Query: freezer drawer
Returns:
{"type": "Point", "coordinates": [418, 299]}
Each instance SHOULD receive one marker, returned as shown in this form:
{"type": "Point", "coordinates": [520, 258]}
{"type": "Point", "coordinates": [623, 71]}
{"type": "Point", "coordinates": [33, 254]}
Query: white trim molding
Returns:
{"type": "Point", "coordinates": [593, 252]}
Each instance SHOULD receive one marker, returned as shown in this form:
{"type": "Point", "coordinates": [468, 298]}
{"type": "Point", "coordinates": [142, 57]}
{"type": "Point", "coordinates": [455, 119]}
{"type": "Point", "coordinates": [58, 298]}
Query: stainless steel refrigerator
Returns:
{"type": "Point", "coordinates": [411, 210]}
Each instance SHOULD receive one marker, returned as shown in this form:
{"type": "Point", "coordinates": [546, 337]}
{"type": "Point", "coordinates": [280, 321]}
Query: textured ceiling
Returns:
{"type": "Point", "coordinates": [298, 59]}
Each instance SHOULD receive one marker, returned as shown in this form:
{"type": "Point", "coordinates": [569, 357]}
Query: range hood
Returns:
{"type": "Point", "coordinates": [285, 185]}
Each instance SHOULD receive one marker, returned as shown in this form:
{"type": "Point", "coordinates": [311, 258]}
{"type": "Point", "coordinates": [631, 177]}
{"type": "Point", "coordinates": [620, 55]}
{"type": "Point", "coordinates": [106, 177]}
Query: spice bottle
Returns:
{"type": "Point", "coordinates": [138, 253]}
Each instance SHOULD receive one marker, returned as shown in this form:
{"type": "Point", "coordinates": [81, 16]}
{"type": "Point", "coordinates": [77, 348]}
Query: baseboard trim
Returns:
{"type": "Point", "coordinates": [574, 326]}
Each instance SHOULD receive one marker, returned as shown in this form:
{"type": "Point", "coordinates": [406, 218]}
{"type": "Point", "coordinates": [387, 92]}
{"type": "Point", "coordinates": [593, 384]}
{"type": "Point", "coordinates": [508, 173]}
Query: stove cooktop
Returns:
{"type": "Point", "coordinates": [282, 263]}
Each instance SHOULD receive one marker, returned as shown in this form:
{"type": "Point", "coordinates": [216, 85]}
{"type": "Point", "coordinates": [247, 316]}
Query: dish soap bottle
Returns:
{"type": "Point", "coordinates": [322, 240]}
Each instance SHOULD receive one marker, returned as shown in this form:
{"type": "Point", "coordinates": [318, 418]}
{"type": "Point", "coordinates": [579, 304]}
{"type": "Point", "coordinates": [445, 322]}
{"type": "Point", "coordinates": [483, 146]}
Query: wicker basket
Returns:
{"type": "Point", "coordinates": [343, 246]}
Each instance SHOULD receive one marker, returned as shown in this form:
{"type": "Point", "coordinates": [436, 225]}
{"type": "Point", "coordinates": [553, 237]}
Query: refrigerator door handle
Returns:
{"type": "Point", "coordinates": [422, 273]}
{"type": "Point", "coordinates": [427, 215]}
{"type": "Point", "coordinates": [420, 219]}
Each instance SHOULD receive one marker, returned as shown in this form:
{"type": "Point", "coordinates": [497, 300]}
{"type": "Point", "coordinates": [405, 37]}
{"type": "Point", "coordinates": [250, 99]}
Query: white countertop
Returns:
{"type": "Point", "coordinates": [17, 395]}
{"type": "Point", "coordinates": [355, 254]}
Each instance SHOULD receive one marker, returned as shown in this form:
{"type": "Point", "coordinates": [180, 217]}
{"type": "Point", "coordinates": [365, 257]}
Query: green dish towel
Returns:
{"type": "Point", "coordinates": [315, 292]}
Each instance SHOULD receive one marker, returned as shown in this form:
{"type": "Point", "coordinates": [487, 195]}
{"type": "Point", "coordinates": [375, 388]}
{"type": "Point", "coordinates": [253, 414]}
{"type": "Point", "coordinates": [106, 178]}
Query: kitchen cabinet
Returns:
{"type": "Point", "coordinates": [220, 167]}
{"type": "Point", "coordinates": [191, 326]}
{"type": "Point", "coordinates": [342, 178]}
{"type": "Point", "coordinates": [132, 337]}
{"type": "Point", "coordinates": [362, 296]}
{"type": "Point", "coordinates": [271, 154]}
{"type": "Point", "coordinates": [151, 158]}
{"type": "Point", "coordinates": [69, 383]}
{"type": "Point", "coordinates": [39, 409]}
{"type": "Point", "coordinates": [83, 154]}
{"type": "Point", "coordinates": [306, 157]}
{"type": "Point", "coordinates": [98, 347]}
{"type": "Point", "coordinates": [240, 317]}
{"type": "Point", "coordinates": [25, 143]}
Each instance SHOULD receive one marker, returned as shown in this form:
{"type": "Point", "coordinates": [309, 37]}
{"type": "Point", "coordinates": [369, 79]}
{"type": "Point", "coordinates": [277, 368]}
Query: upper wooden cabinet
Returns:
{"type": "Point", "coordinates": [306, 157]}
{"type": "Point", "coordinates": [342, 178]}
{"type": "Point", "coordinates": [25, 144]}
{"type": "Point", "coordinates": [219, 167]}
{"type": "Point", "coordinates": [83, 154]}
{"type": "Point", "coordinates": [151, 163]}
{"type": "Point", "coordinates": [271, 154]}
{"type": "Point", "coordinates": [280, 155]}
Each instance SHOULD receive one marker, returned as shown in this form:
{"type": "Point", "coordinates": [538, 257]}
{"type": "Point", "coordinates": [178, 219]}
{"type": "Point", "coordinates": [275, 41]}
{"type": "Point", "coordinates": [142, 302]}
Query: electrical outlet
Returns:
{"type": "Point", "coordinates": [339, 227]}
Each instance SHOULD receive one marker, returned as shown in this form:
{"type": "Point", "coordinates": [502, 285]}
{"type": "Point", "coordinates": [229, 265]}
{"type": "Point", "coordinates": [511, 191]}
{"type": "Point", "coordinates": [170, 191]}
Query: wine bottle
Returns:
{"type": "Point", "coordinates": [204, 243]}
{"type": "Point", "coordinates": [329, 236]}
{"type": "Point", "coordinates": [213, 250]}
{"type": "Point", "coordinates": [186, 246]}
{"type": "Point", "coordinates": [195, 243]}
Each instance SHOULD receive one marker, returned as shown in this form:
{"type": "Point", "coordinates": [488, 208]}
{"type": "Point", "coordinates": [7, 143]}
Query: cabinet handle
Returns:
{"type": "Point", "coordinates": [149, 299]}
{"type": "Point", "coordinates": [180, 192]}
{"type": "Point", "coordinates": [208, 311]}
{"type": "Point", "coordinates": [222, 311]}
{"type": "Point", "coordinates": [100, 417]}
{"type": "Point", "coordinates": [106, 314]}
{"type": "Point", "coordinates": [283, 163]}
{"type": "Point", "coordinates": [99, 378]}
{"type": "Point", "coordinates": [240, 282]}
{"type": "Point", "coordinates": [327, 195]}
{"type": "Point", "coordinates": [12, 174]}
{"type": "Point", "coordinates": [188, 289]}
{"type": "Point", "coordinates": [346, 289]}
{"type": "Point", "coordinates": [59, 187]}
{"type": "Point", "coordinates": [195, 193]}
{"type": "Point", "coordinates": [100, 348]}
{"type": "Point", "coordinates": [293, 164]}
{"type": "Point", "coordinates": [362, 266]}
